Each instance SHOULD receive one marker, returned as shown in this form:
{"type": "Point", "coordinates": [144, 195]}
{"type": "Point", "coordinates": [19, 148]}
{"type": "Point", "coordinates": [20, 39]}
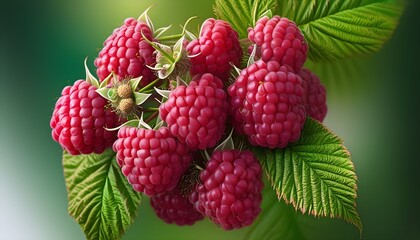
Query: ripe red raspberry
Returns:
{"type": "Point", "coordinates": [126, 53]}
{"type": "Point", "coordinates": [315, 95]}
{"type": "Point", "coordinates": [230, 192]}
{"type": "Point", "coordinates": [152, 160]}
{"type": "Point", "coordinates": [267, 104]}
{"type": "Point", "coordinates": [215, 50]}
{"type": "Point", "coordinates": [279, 39]}
{"type": "Point", "coordinates": [79, 119]}
{"type": "Point", "coordinates": [196, 113]}
{"type": "Point", "coordinates": [172, 207]}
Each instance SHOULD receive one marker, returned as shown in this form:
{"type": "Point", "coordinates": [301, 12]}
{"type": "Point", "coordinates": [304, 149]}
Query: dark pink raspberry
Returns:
{"type": "Point", "coordinates": [172, 207]}
{"type": "Point", "coordinates": [79, 120]}
{"type": "Point", "coordinates": [230, 189]}
{"type": "Point", "coordinates": [215, 50]}
{"type": "Point", "coordinates": [279, 39]}
{"type": "Point", "coordinates": [126, 53]}
{"type": "Point", "coordinates": [267, 104]}
{"type": "Point", "coordinates": [152, 160]}
{"type": "Point", "coordinates": [196, 113]}
{"type": "Point", "coordinates": [315, 95]}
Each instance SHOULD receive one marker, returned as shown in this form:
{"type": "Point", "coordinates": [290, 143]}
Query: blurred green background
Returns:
{"type": "Point", "coordinates": [373, 107]}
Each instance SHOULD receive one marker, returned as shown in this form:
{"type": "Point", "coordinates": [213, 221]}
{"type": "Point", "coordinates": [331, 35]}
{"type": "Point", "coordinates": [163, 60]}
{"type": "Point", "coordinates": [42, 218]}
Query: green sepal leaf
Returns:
{"type": "Point", "coordinates": [144, 17]}
{"type": "Point", "coordinates": [89, 77]}
{"type": "Point", "coordinates": [163, 93]}
{"type": "Point", "coordinates": [141, 97]}
{"type": "Point", "coordinates": [314, 174]}
{"type": "Point", "coordinates": [134, 83]}
{"type": "Point", "coordinates": [227, 144]}
{"type": "Point", "coordinates": [100, 198]}
{"type": "Point", "coordinates": [242, 14]}
{"type": "Point", "coordinates": [104, 92]}
{"type": "Point", "coordinates": [343, 29]}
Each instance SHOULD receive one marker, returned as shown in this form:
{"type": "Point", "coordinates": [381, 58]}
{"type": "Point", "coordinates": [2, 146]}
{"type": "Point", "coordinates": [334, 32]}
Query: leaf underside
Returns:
{"type": "Point", "coordinates": [100, 198]}
{"type": "Point", "coordinates": [314, 174]}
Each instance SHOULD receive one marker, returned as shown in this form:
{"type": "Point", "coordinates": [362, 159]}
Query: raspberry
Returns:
{"type": "Point", "coordinates": [215, 50]}
{"type": "Point", "coordinates": [172, 207]}
{"type": "Point", "coordinates": [126, 53]}
{"type": "Point", "coordinates": [267, 104]}
{"type": "Point", "coordinates": [196, 113]}
{"type": "Point", "coordinates": [230, 193]}
{"type": "Point", "coordinates": [316, 99]}
{"type": "Point", "coordinates": [152, 160]}
{"type": "Point", "coordinates": [279, 39]}
{"type": "Point", "coordinates": [79, 119]}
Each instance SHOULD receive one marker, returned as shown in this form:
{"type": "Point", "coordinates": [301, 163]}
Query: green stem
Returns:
{"type": "Point", "coordinates": [170, 37]}
{"type": "Point", "coordinates": [149, 86]}
{"type": "Point", "coordinates": [151, 117]}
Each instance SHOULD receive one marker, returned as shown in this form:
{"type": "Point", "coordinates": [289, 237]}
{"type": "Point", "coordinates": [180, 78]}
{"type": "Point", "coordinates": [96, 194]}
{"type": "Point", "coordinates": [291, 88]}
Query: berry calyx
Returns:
{"type": "Point", "coordinates": [124, 91]}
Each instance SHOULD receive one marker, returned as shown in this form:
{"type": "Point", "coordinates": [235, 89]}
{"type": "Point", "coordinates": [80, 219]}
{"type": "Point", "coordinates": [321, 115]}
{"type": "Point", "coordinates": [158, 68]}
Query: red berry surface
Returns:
{"type": "Point", "coordinates": [196, 113]}
{"type": "Point", "coordinates": [315, 95]}
{"type": "Point", "coordinates": [79, 120]}
{"type": "Point", "coordinates": [172, 207]}
{"type": "Point", "coordinates": [230, 189]}
{"type": "Point", "coordinates": [215, 50]}
{"type": "Point", "coordinates": [266, 104]}
{"type": "Point", "coordinates": [152, 160]}
{"type": "Point", "coordinates": [126, 53]}
{"type": "Point", "coordinates": [279, 39]}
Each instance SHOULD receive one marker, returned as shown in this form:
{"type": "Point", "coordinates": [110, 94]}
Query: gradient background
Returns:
{"type": "Point", "coordinates": [373, 106]}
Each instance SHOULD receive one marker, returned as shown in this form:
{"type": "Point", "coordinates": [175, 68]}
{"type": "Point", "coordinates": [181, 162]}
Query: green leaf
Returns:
{"type": "Point", "coordinates": [276, 220]}
{"type": "Point", "coordinates": [242, 14]}
{"type": "Point", "coordinates": [342, 29]}
{"type": "Point", "coordinates": [100, 198]}
{"type": "Point", "coordinates": [315, 174]}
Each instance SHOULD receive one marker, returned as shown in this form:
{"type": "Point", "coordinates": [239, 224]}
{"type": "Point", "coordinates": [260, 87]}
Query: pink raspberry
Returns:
{"type": "Point", "coordinates": [267, 104]}
{"type": "Point", "coordinates": [172, 207]}
{"type": "Point", "coordinates": [152, 160]}
{"type": "Point", "coordinates": [126, 53]}
{"type": "Point", "coordinates": [316, 96]}
{"type": "Point", "coordinates": [215, 50]}
{"type": "Point", "coordinates": [79, 120]}
{"type": "Point", "coordinates": [279, 39]}
{"type": "Point", "coordinates": [230, 193]}
{"type": "Point", "coordinates": [196, 113]}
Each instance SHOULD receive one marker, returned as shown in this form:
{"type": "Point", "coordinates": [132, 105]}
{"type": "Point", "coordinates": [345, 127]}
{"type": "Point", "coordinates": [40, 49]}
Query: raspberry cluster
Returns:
{"type": "Point", "coordinates": [189, 94]}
